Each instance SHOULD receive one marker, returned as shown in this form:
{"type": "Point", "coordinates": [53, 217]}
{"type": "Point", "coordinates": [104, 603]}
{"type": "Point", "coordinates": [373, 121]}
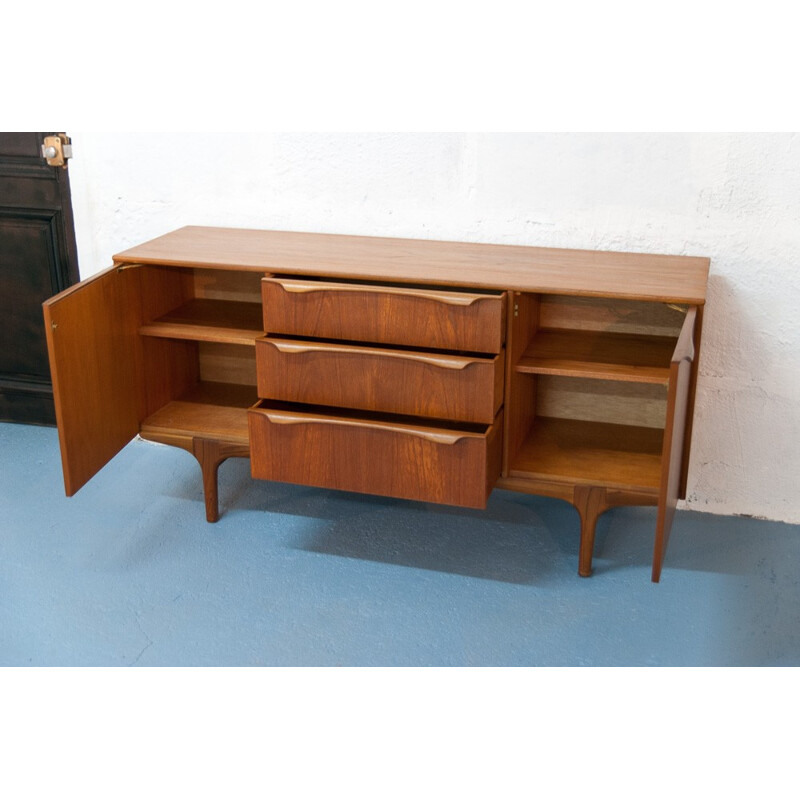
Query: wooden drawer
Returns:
{"type": "Point", "coordinates": [463, 388]}
{"type": "Point", "coordinates": [364, 453]}
{"type": "Point", "coordinates": [433, 319]}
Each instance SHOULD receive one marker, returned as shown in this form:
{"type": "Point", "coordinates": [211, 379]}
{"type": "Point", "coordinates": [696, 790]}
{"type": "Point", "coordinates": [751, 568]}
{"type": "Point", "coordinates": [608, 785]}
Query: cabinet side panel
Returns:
{"type": "Point", "coordinates": [91, 333]}
{"type": "Point", "coordinates": [520, 390]}
{"type": "Point", "coordinates": [168, 366]}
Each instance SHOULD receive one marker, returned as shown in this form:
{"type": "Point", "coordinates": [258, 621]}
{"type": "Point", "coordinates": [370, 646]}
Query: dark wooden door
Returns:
{"type": "Point", "coordinates": [38, 258]}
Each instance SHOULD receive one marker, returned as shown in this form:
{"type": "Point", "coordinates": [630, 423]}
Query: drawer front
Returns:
{"type": "Point", "coordinates": [375, 456]}
{"type": "Point", "coordinates": [461, 388]}
{"type": "Point", "coordinates": [439, 320]}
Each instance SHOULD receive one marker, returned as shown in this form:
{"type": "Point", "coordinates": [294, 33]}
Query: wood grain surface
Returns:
{"type": "Point", "coordinates": [208, 410]}
{"type": "Point", "coordinates": [591, 453]}
{"type": "Point", "coordinates": [395, 459]}
{"type": "Point", "coordinates": [206, 320]}
{"type": "Point", "coordinates": [593, 354]}
{"type": "Point", "coordinates": [92, 342]}
{"type": "Point", "coordinates": [645, 276]}
{"type": "Point", "coordinates": [385, 315]}
{"type": "Point", "coordinates": [452, 387]}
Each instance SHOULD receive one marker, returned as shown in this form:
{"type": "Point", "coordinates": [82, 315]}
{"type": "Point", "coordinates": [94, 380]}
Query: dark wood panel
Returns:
{"type": "Point", "coordinates": [36, 191]}
{"type": "Point", "coordinates": [20, 145]}
{"type": "Point", "coordinates": [28, 261]}
{"type": "Point", "coordinates": [20, 155]}
{"type": "Point", "coordinates": [37, 259]}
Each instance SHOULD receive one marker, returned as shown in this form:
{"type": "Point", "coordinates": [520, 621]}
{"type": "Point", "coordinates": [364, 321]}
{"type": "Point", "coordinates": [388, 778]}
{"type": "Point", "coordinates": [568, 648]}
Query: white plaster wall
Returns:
{"type": "Point", "coordinates": [732, 197]}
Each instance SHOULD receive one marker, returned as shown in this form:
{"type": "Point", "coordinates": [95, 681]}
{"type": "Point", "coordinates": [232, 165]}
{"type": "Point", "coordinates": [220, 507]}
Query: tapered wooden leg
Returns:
{"type": "Point", "coordinates": [591, 502]}
{"type": "Point", "coordinates": [210, 453]}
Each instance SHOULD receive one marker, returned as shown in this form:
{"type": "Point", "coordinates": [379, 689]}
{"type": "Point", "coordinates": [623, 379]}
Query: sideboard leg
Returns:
{"type": "Point", "coordinates": [591, 502]}
{"type": "Point", "coordinates": [210, 453]}
{"type": "Point", "coordinates": [206, 451]}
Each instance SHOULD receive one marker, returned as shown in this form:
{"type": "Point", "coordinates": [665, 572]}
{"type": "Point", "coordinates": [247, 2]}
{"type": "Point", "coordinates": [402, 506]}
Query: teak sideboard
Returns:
{"type": "Point", "coordinates": [426, 370]}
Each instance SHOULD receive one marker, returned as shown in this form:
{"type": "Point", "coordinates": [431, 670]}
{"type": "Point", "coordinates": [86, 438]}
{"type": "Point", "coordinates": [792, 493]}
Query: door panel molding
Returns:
{"type": "Point", "coordinates": [38, 258]}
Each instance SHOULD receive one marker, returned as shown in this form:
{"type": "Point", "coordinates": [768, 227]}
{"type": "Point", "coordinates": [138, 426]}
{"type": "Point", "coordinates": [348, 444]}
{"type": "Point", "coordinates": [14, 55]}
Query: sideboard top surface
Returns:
{"type": "Point", "coordinates": [641, 276]}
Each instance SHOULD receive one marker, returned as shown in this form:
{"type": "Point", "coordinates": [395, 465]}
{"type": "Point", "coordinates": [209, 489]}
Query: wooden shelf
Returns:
{"type": "Point", "coordinates": [594, 354]}
{"type": "Point", "coordinates": [205, 320]}
{"type": "Point", "coordinates": [596, 453]}
{"type": "Point", "coordinates": [210, 410]}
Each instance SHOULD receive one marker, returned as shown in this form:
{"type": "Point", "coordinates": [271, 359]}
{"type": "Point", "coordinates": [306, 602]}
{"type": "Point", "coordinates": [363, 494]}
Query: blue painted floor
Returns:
{"type": "Point", "coordinates": [128, 572]}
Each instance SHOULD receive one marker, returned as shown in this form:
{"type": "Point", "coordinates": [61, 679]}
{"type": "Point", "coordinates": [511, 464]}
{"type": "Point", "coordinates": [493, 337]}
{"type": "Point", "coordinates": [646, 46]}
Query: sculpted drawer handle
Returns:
{"type": "Point", "coordinates": [448, 298]}
{"type": "Point", "coordinates": [438, 437]}
{"type": "Point", "coordinates": [444, 362]}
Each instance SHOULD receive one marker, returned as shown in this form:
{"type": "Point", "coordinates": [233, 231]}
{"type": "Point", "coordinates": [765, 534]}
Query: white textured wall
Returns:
{"type": "Point", "coordinates": [732, 197]}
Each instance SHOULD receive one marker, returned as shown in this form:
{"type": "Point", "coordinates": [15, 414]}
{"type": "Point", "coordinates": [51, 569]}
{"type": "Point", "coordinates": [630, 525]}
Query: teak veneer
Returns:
{"type": "Point", "coordinates": [426, 370]}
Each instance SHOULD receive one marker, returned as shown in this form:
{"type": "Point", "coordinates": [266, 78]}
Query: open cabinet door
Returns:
{"type": "Point", "coordinates": [678, 410]}
{"type": "Point", "coordinates": [92, 341]}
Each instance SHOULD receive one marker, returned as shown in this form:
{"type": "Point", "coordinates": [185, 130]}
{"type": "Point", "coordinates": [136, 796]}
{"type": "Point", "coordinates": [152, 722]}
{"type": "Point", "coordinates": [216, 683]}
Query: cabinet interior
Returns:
{"type": "Point", "coordinates": [586, 398]}
{"type": "Point", "coordinates": [587, 389]}
{"type": "Point", "coordinates": [198, 334]}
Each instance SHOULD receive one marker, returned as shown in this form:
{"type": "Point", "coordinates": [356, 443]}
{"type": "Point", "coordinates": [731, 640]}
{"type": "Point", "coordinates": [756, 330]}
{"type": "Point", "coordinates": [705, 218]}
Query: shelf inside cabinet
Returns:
{"type": "Point", "coordinates": [618, 456]}
{"type": "Point", "coordinates": [206, 320]}
{"type": "Point", "coordinates": [210, 410]}
{"type": "Point", "coordinates": [597, 354]}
